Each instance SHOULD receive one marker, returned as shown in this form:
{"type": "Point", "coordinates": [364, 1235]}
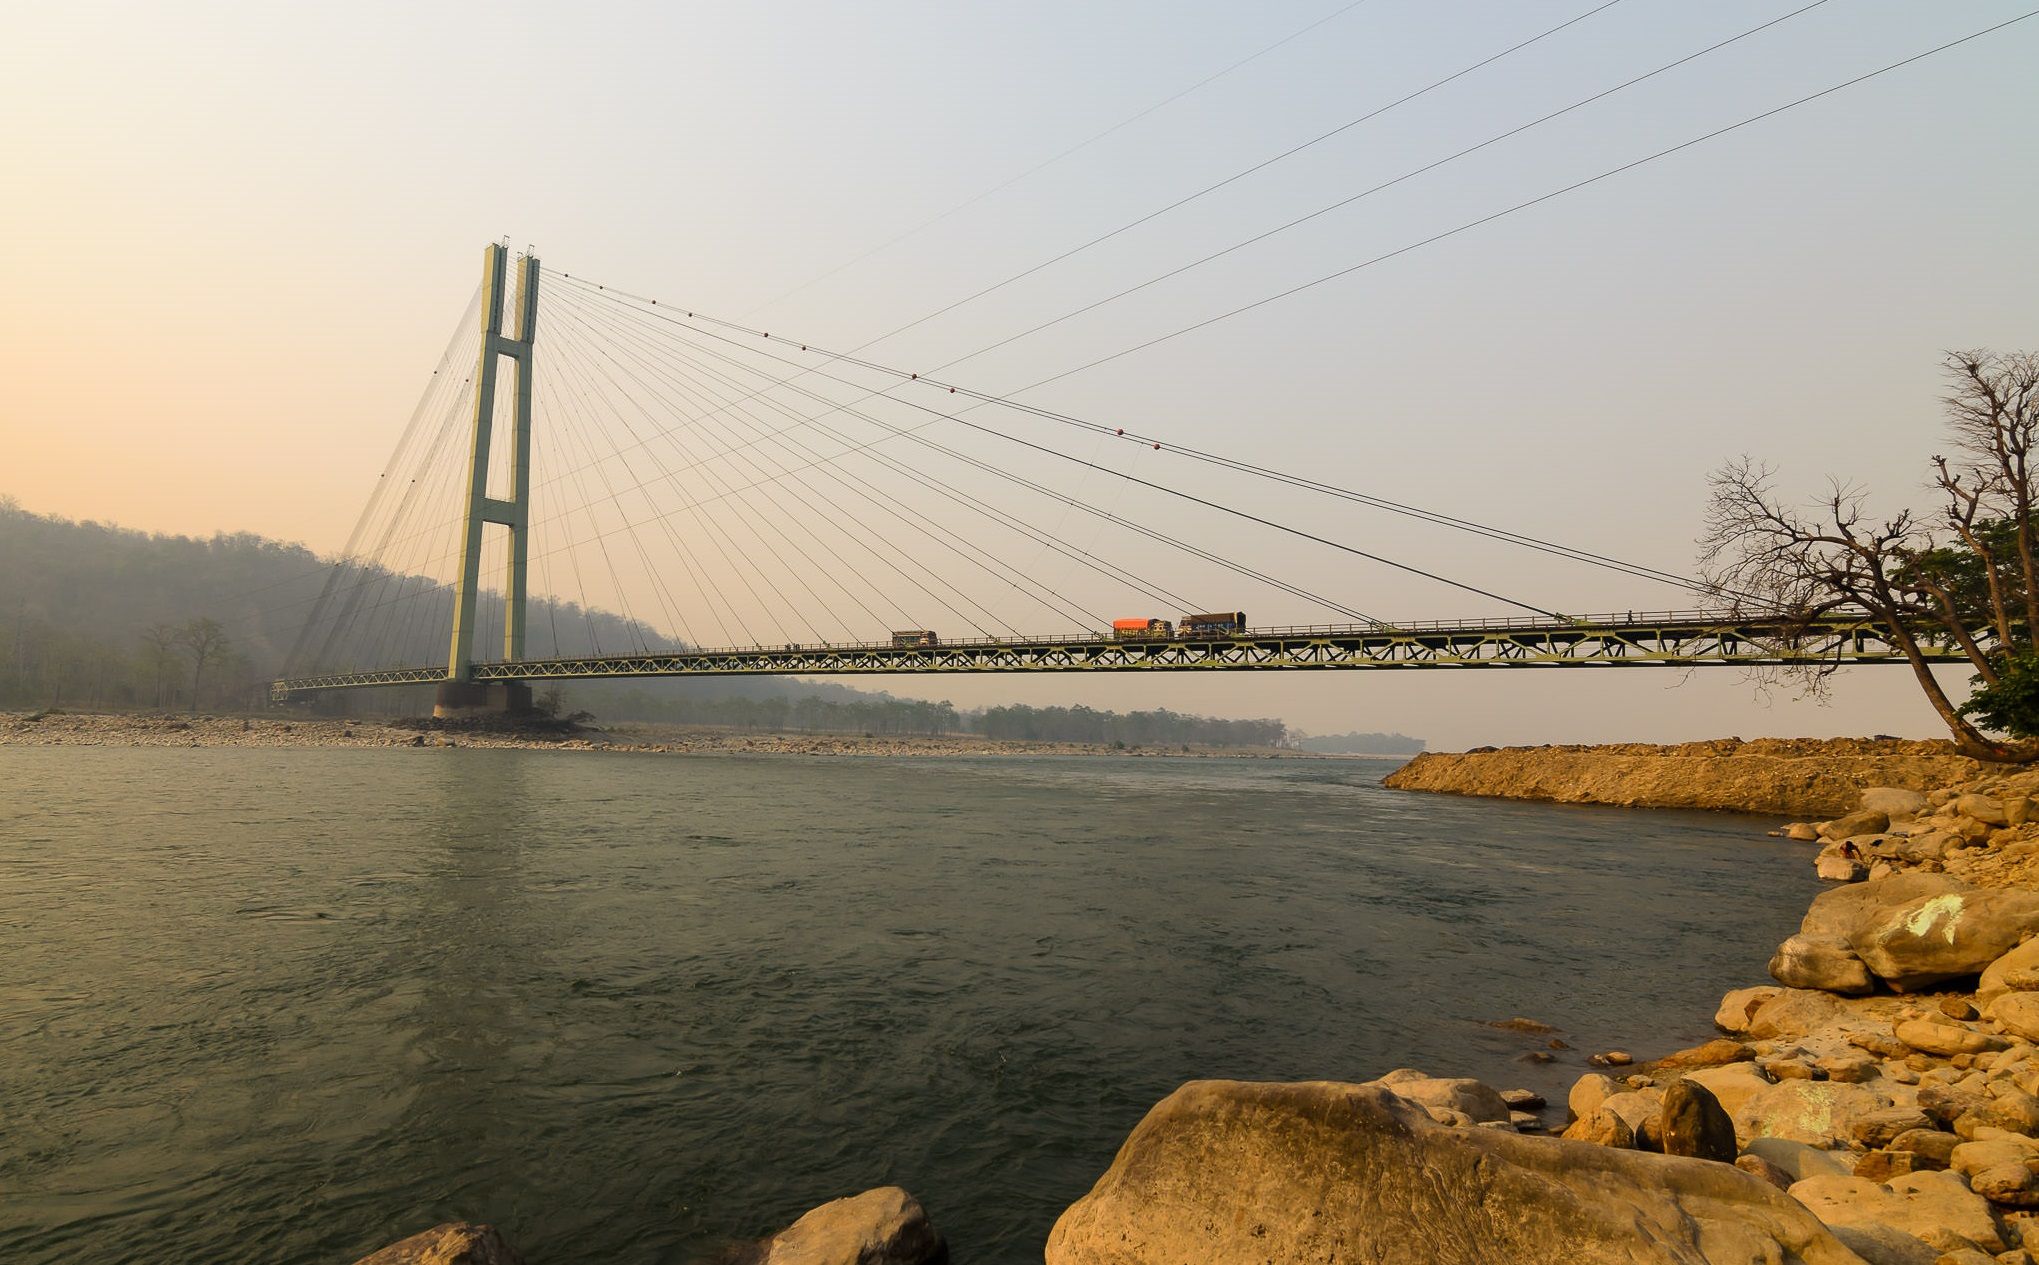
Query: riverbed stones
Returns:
{"type": "Point", "coordinates": [885, 1226]}
{"type": "Point", "coordinates": [1814, 962]}
{"type": "Point", "coordinates": [1227, 1173]}
{"type": "Point", "coordinates": [1588, 1092]}
{"type": "Point", "coordinates": [1931, 1145]}
{"type": "Point", "coordinates": [1692, 1122]}
{"type": "Point", "coordinates": [452, 1243]}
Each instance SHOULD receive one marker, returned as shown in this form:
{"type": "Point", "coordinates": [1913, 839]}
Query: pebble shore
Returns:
{"type": "Point", "coordinates": [66, 729]}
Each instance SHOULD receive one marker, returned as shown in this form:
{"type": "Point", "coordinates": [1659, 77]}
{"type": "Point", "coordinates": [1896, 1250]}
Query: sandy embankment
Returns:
{"type": "Point", "coordinates": [65, 729]}
{"type": "Point", "coordinates": [1798, 777]}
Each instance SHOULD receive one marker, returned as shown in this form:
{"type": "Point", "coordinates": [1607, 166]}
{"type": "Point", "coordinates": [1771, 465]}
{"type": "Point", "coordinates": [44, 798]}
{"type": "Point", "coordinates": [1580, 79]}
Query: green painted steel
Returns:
{"type": "Point", "coordinates": [1673, 639]}
{"type": "Point", "coordinates": [482, 509]}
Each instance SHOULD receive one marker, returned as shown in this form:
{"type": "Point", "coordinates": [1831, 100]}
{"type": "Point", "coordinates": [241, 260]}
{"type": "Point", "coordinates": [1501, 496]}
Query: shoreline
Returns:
{"type": "Point", "coordinates": [57, 728]}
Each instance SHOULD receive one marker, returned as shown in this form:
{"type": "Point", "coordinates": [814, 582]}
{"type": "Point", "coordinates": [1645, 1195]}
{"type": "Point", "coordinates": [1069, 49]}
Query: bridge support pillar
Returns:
{"type": "Point", "coordinates": [462, 700]}
{"type": "Point", "coordinates": [514, 510]}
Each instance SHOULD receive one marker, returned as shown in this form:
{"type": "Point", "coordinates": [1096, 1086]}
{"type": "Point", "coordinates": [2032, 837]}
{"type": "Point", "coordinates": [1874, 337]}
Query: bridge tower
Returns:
{"type": "Point", "coordinates": [461, 694]}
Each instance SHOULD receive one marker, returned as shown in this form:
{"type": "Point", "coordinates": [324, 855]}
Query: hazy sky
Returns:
{"type": "Point", "coordinates": [238, 237]}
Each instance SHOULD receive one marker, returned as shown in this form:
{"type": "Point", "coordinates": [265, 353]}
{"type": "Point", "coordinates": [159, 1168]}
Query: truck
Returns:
{"type": "Point", "coordinates": [907, 639]}
{"type": "Point", "coordinates": [1218, 622]}
{"type": "Point", "coordinates": [1142, 629]}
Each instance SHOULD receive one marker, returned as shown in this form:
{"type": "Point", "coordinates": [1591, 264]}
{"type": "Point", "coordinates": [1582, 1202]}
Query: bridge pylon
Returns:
{"type": "Point", "coordinates": [461, 694]}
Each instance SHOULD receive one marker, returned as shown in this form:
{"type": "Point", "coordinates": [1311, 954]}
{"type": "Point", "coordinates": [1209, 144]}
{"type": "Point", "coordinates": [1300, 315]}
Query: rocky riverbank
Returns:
{"type": "Point", "coordinates": [66, 729]}
{"type": "Point", "coordinates": [1875, 1103]}
{"type": "Point", "coordinates": [1785, 776]}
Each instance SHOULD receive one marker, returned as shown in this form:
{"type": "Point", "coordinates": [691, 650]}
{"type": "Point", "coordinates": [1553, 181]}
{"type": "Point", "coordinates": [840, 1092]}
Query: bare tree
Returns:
{"type": "Point", "coordinates": [206, 642]}
{"type": "Point", "coordinates": [161, 645]}
{"type": "Point", "coordinates": [1976, 589]}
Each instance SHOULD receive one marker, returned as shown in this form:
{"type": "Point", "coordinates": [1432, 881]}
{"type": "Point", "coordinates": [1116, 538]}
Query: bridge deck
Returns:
{"type": "Point", "coordinates": [1672, 639]}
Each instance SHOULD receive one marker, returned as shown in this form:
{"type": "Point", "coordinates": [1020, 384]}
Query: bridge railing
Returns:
{"type": "Point", "coordinates": [1505, 624]}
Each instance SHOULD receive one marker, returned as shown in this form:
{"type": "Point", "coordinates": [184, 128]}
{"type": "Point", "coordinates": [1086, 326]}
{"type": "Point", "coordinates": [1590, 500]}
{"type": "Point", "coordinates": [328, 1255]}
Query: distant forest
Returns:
{"type": "Point", "coordinates": [1360, 744]}
{"type": "Point", "coordinates": [97, 616]}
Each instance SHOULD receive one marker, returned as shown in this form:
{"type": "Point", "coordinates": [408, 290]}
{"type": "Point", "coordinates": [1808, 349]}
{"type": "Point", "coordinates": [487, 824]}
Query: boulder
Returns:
{"type": "Point", "coordinates": [1860, 822]}
{"type": "Point", "coordinates": [2011, 1109]}
{"type": "Point", "coordinates": [1601, 1128]}
{"type": "Point", "coordinates": [1933, 1146]}
{"type": "Point", "coordinates": [1987, 809]}
{"type": "Point", "coordinates": [1757, 1166]}
{"type": "Point", "coordinates": [1642, 1110]}
{"type": "Point", "coordinates": [885, 1226]}
{"type": "Point", "coordinates": [1588, 1092]}
{"type": "Point", "coordinates": [1839, 869]}
{"type": "Point", "coordinates": [1692, 1122]}
{"type": "Point", "coordinates": [453, 1243]}
{"type": "Point", "coordinates": [1794, 1012]}
{"type": "Point", "coordinates": [2015, 971]}
{"type": "Point", "coordinates": [1883, 1127]}
{"type": "Point", "coordinates": [1715, 1053]}
{"type": "Point", "coordinates": [1932, 1036]}
{"type": "Point", "coordinates": [1798, 1161]}
{"type": "Point", "coordinates": [2018, 1012]}
{"type": "Point", "coordinates": [1733, 1085]}
{"type": "Point", "coordinates": [1883, 1245]}
{"type": "Point", "coordinates": [1227, 1173]}
{"type": "Point", "coordinates": [1477, 1100]}
{"type": "Point", "coordinates": [1807, 962]}
{"type": "Point", "coordinates": [1937, 1208]}
{"type": "Point", "coordinates": [1819, 1113]}
{"type": "Point", "coordinates": [1895, 802]}
{"type": "Point", "coordinates": [1739, 1007]}
{"type": "Point", "coordinates": [1932, 939]}
{"type": "Point", "coordinates": [1801, 832]}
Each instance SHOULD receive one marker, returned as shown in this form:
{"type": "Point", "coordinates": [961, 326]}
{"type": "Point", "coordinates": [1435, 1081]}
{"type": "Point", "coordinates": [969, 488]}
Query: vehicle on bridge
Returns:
{"type": "Point", "coordinates": [1218, 622]}
{"type": "Point", "coordinates": [1142, 629]}
{"type": "Point", "coordinates": [908, 638]}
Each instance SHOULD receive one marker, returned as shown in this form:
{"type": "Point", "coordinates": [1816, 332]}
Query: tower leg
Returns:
{"type": "Point", "coordinates": [513, 512]}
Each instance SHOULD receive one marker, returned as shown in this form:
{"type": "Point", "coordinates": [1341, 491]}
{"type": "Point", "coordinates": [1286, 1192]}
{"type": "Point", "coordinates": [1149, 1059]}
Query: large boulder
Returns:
{"type": "Point", "coordinates": [1694, 1123]}
{"type": "Point", "coordinates": [1227, 1173]}
{"type": "Point", "coordinates": [453, 1243]}
{"type": "Point", "coordinates": [1896, 803]}
{"type": "Point", "coordinates": [1477, 1100]}
{"type": "Point", "coordinates": [1809, 962]}
{"type": "Point", "coordinates": [1732, 1086]}
{"type": "Point", "coordinates": [2018, 1013]}
{"type": "Point", "coordinates": [1919, 929]}
{"type": "Point", "coordinates": [1937, 1208]}
{"type": "Point", "coordinates": [2016, 971]}
{"type": "Point", "coordinates": [1818, 1113]}
{"type": "Point", "coordinates": [1866, 821]}
{"type": "Point", "coordinates": [885, 1226]}
{"type": "Point", "coordinates": [1794, 1012]}
{"type": "Point", "coordinates": [1738, 1008]}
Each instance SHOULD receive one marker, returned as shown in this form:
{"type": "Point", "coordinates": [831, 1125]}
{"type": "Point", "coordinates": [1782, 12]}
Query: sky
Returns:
{"type": "Point", "coordinates": [238, 239]}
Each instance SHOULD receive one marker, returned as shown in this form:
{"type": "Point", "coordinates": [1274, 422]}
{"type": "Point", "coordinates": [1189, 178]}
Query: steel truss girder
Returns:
{"type": "Point", "coordinates": [1556, 645]}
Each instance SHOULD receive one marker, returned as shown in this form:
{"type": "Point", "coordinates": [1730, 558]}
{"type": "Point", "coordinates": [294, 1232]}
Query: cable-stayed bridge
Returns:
{"type": "Point", "coordinates": [823, 516]}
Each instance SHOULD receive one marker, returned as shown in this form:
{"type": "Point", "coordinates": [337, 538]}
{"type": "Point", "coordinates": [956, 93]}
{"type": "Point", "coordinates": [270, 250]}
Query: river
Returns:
{"type": "Point", "coordinates": [291, 1005]}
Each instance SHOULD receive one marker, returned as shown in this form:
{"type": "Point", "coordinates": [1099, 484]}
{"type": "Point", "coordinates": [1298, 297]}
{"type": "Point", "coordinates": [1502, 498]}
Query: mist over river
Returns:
{"type": "Point", "coordinates": [292, 1005]}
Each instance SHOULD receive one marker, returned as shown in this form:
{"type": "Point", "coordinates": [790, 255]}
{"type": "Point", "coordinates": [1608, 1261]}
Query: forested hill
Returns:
{"type": "Point", "coordinates": [93, 615]}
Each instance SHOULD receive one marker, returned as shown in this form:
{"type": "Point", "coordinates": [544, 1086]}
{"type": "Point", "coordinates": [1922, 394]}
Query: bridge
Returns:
{"type": "Point", "coordinates": [794, 485]}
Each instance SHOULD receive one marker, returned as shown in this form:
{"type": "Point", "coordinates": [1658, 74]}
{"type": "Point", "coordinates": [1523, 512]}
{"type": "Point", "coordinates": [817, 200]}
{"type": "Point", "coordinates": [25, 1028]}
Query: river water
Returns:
{"type": "Point", "coordinates": [290, 1005]}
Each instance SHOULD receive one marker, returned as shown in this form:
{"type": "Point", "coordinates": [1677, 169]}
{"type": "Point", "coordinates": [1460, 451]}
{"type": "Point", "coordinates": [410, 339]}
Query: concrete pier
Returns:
{"type": "Point", "coordinates": [463, 700]}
